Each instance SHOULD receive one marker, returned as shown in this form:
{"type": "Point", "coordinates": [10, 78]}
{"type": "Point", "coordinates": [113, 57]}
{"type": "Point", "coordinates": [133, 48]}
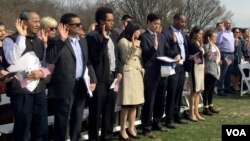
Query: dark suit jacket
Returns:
{"type": "Point", "coordinates": [63, 78]}
{"type": "Point", "coordinates": [168, 33]}
{"type": "Point", "coordinates": [98, 54]}
{"type": "Point", "coordinates": [149, 55]}
{"type": "Point", "coordinates": [193, 49]}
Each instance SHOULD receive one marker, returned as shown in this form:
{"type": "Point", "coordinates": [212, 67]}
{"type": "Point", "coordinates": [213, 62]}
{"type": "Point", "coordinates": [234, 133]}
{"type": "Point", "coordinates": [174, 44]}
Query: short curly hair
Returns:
{"type": "Point", "coordinates": [101, 13]}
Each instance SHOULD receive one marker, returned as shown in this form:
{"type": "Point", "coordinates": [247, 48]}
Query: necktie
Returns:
{"type": "Point", "coordinates": [155, 40]}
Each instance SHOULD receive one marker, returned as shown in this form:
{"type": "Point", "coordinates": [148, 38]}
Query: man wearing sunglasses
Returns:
{"type": "Point", "coordinates": [67, 88]}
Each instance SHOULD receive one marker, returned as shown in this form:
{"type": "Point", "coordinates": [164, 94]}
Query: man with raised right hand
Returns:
{"type": "Point", "coordinates": [29, 106]}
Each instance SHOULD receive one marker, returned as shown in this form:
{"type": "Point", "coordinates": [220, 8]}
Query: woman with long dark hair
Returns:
{"type": "Point", "coordinates": [197, 72]}
{"type": "Point", "coordinates": [131, 88]}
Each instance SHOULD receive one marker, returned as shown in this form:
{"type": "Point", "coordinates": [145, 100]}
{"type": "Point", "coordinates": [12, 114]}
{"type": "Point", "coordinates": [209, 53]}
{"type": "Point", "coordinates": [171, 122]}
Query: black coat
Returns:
{"type": "Point", "coordinates": [168, 33]}
{"type": "Point", "coordinates": [149, 55]}
{"type": "Point", "coordinates": [63, 78]}
{"type": "Point", "coordinates": [98, 54]}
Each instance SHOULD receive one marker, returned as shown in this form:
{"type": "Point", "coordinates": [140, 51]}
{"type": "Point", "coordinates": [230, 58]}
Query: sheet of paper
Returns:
{"type": "Point", "coordinates": [29, 61]}
{"type": "Point", "coordinates": [115, 85]}
{"type": "Point", "coordinates": [194, 55]}
{"type": "Point", "coordinates": [86, 79]}
{"type": "Point", "coordinates": [166, 59]}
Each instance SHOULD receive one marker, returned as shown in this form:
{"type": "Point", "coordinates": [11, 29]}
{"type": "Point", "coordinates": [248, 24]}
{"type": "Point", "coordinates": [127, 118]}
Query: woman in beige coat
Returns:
{"type": "Point", "coordinates": [131, 88]}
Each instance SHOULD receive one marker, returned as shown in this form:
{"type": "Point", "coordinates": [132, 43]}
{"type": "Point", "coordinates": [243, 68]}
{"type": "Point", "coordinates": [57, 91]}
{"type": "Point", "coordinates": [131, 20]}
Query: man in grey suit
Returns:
{"type": "Point", "coordinates": [67, 88]}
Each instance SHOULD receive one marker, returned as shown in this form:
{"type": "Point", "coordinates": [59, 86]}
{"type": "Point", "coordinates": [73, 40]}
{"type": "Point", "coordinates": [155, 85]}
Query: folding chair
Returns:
{"type": "Point", "coordinates": [244, 80]}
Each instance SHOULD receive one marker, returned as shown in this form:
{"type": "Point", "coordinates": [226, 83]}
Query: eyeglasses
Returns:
{"type": "Point", "coordinates": [110, 21]}
{"type": "Point", "coordinates": [52, 28]}
{"type": "Point", "coordinates": [76, 24]}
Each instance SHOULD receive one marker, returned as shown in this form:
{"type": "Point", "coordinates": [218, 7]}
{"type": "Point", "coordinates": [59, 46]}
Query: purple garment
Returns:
{"type": "Point", "coordinates": [225, 41]}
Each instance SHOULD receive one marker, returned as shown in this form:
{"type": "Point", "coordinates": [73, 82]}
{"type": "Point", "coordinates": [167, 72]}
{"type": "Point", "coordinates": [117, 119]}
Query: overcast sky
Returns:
{"type": "Point", "coordinates": [240, 9]}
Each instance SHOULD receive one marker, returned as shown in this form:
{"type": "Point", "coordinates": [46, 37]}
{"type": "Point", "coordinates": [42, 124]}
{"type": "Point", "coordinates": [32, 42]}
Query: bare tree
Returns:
{"type": "Point", "coordinates": [10, 9]}
{"type": "Point", "coordinates": [202, 12]}
{"type": "Point", "coordinates": [139, 9]}
{"type": "Point", "coordinates": [198, 12]}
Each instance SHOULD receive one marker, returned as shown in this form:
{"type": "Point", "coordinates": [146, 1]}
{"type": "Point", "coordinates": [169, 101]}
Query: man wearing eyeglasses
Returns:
{"type": "Point", "coordinates": [67, 88]}
{"type": "Point", "coordinates": [103, 54]}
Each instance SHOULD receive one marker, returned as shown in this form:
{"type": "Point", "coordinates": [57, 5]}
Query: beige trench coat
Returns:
{"type": "Point", "coordinates": [131, 90]}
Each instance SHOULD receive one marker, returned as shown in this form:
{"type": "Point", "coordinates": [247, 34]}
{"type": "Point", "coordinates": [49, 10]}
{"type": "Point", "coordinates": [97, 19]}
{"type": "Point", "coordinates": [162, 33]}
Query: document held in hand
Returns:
{"type": "Point", "coordinates": [115, 85]}
{"type": "Point", "coordinates": [86, 79]}
{"type": "Point", "coordinates": [28, 62]}
{"type": "Point", "coordinates": [166, 59]}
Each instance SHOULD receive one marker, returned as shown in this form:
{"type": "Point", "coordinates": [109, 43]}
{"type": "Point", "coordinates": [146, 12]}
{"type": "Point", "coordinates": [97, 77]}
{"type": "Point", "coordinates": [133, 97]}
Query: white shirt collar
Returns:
{"type": "Point", "coordinates": [151, 32]}
{"type": "Point", "coordinates": [175, 30]}
{"type": "Point", "coordinates": [74, 39]}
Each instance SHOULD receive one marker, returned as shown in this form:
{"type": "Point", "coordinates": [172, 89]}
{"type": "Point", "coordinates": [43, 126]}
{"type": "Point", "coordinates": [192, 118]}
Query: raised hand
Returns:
{"type": "Point", "coordinates": [21, 27]}
{"type": "Point", "coordinates": [174, 38]}
{"type": "Point", "coordinates": [63, 32]}
{"type": "Point", "coordinates": [155, 41]}
{"type": "Point", "coordinates": [200, 42]}
{"type": "Point", "coordinates": [104, 32]}
{"type": "Point", "coordinates": [43, 35]}
{"type": "Point", "coordinates": [133, 39]}
{"type": "Point", "coordinates": [209, 41]}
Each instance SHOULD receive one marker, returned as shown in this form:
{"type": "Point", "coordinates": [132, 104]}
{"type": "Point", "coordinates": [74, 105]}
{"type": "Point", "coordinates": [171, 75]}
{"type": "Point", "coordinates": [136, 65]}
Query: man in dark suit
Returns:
{"type": "Point", "coordinates": [153, 46]}
{"type": "Point", "coordinates": [67, 88]}
{"type": "Point", "coordinates": [103, 53]}
{"type": "Point", "coordinates": [177, 42]}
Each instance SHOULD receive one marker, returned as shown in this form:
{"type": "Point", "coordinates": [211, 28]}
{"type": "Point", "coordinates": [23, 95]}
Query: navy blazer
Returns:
{"type": "Point", "coordinates": [168, 33]}
{"type": "Point", "coordinates": [149, 55]}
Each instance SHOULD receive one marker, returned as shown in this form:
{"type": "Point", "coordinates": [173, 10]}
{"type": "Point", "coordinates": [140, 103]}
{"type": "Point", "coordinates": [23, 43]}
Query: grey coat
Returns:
{"type": "Point", "coordinates": [212, 67]}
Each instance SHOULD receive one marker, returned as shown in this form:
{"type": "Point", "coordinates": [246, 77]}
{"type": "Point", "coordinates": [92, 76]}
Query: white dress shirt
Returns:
{"type": "Point", "coordinates": [13, 51]}
{"type": "Point", "coordinates": [180, 40]}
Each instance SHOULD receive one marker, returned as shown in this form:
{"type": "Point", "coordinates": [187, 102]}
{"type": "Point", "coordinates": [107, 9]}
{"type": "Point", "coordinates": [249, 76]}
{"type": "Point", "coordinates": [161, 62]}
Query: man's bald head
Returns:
{"type": "Point", "coordinates": [227, 24]}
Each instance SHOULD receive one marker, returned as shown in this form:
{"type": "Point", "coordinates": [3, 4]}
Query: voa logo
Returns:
{"type": "Point", "coordinates": [236, 132]}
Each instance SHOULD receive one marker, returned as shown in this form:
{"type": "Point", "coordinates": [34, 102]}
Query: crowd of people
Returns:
{"type": "Point", "coordinates": [44, 54]}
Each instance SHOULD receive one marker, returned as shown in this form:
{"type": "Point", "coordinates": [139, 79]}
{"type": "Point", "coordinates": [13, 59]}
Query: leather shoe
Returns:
{"type": "Point", "coordinates": [170, 125]}
{"type": "Point", "coordinates": [149, 134]}
{"type": "Point", "coordinates": [181, 121]}
{"type": "Point", "coordinates": [124, 139]}
{"type": "Point", "coordinates": [132, 136]}
{"type": "Point", "coordinates": [235, 90]}
{"type": "Point", "coordinates": [213, 110]}
{"type": "Point", "coordinates": [161, 129]}
{"type": "Point", "coordinates": [199, 117]}
{"type": "Point", "coordinates": [192, 119]}
{"type": "Point", "coordinates": [206, 111]}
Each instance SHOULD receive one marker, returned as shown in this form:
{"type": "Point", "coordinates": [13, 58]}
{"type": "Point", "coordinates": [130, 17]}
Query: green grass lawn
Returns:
{"type": "Point", "coordinates": [234, 110]}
